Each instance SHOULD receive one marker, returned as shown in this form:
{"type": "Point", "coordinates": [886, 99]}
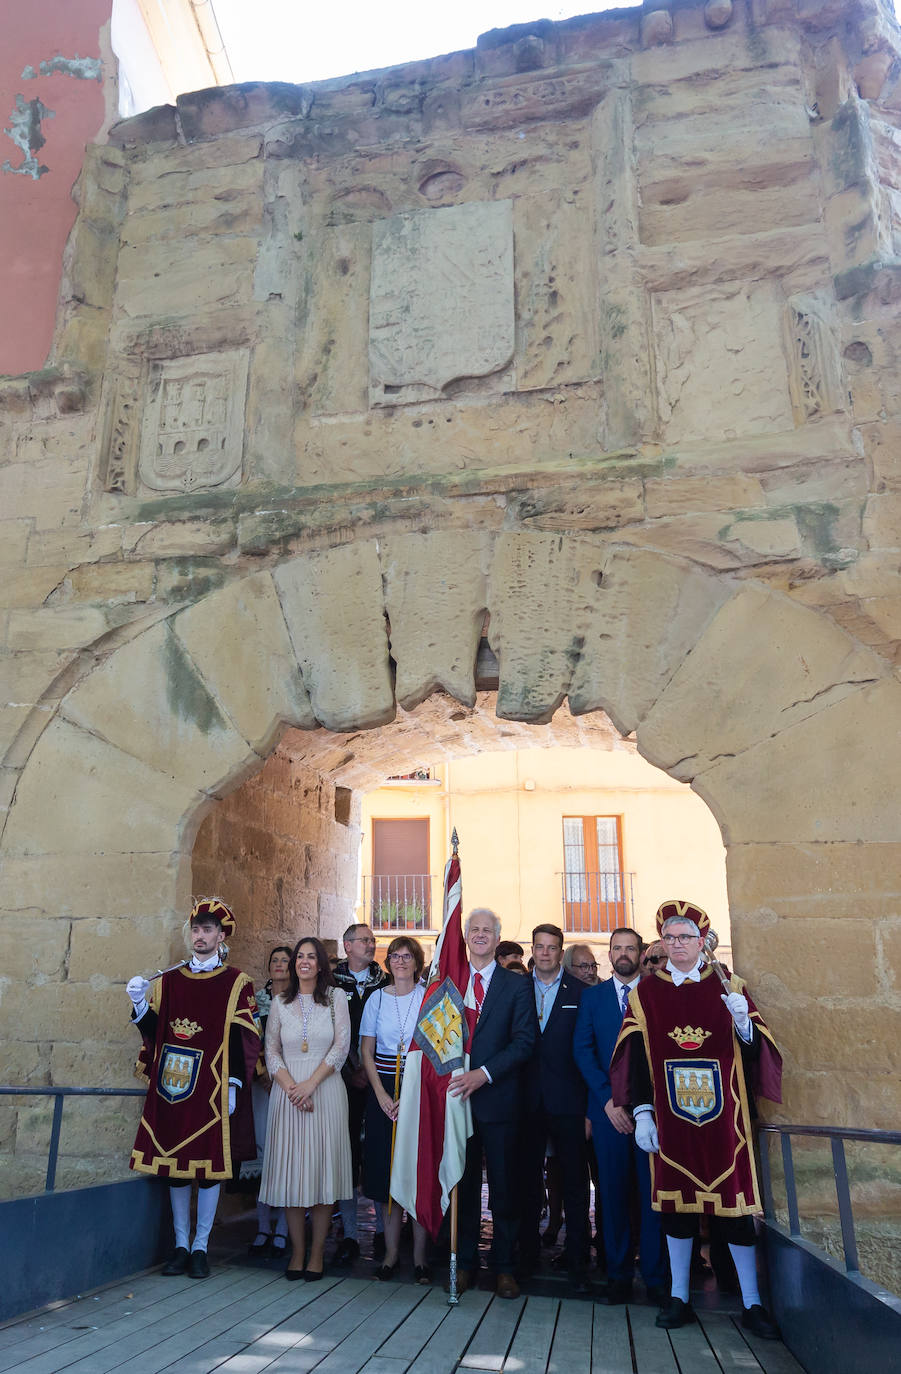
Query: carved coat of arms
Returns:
{"type": "Point", "coordinates": [192, 436]}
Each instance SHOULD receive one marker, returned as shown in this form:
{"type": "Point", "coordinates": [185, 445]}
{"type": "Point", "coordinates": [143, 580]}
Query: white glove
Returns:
{"type": "Point", "coordinates": [646, 1133]}
{"type": "Point", "coordinates": [737, 1007]}
{"type": "Point", "coordinates": [137, 990]}
{"type": "Point", "coordinates": [232, 1098]}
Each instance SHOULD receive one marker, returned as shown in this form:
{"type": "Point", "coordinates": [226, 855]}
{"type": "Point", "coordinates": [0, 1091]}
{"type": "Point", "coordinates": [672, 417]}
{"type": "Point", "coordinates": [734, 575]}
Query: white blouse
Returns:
{"type": "Point", "coordinates": [390, 1019]}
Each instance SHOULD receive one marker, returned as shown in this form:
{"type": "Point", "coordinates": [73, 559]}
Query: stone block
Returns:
{"type": "Point", "coordinates": [150, 700]}
{"type": "Point", "coordinates": [109, 583]}
{"type": "Point", "coordinates": [776, 538]}
{"type": "Point", "coordinates": [557, 335]}
{"type": "Point", "coordinates": [69, 1011]}
{"type": "Point", "coordinates": [436, 593]}
{"type": "Point", "coordinates": [55, 628]}
{"type": "Point", "coordinates": [14, 536]}
{"type": "Point", "coordinates": [216, 274]}
{"type": "Point", "coordinates": [828, 958]}
{"type": "Point", "coordinates": [869, 1035]}
{"type": "Point", "coordinates": [592, 508]}
{"type": "Point", "coordinates": [679, 494]}
{"type": "Point", "coordinates": [106, 886]}
{"type": "Point", "coordinates": [882, 443]}
{"type": "Point", "coordinates": [332, 603]}
{"type": "Point", "coordinates": [25, 1062]}
{"type": "Point", "coordinates": [48, 491]}
{"type": "Point", "coordinates": [239, 642]}
{"type": "Point", "coordinates": [186, 538]}
{"type": "Point", "coordinates": [888, 935]}
{"type": "Point", "coordinates": [73, 547]}
{"type": "Point", "coordinates": [118, 948]}
{"type": "Point", "coordinates": [652, 610]}
{"type": "Point", "coordinates": [762, 665]}
{"type": "Point", "coordinates": [816, 881]}
{"type": "Point", "coordinates": [123, 804]}
{"type": "Point", "coordinates": [828, 777]}
{"type": "Point", "coordinates": [35, 947]}
{"type": "Point", "coordinates": [882, 520]}
{"type": "Point", "coordinates": [96, 1063]}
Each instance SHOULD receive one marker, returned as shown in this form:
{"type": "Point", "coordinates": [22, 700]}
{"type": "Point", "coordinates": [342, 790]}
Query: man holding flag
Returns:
{"type": "Point", "coordinates": [461, 1094]}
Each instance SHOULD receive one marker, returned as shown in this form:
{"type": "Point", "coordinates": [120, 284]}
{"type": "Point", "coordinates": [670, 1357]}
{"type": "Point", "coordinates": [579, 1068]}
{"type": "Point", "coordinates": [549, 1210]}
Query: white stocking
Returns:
{"type": "Point", "coordinates": [745, 1257]}
{"type": "Point", "coordinates": [680, 1264]}
{"type": "Point", "coordinates": [180, 1202]}
{"type": "Point", "coordinates": [207, 1202]}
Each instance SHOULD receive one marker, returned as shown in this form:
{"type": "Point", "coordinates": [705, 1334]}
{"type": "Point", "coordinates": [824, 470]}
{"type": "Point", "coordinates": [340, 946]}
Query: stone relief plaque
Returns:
{"type": "Point", "coordinates": [815, 375]}
{"type": "Point", "coordinates": [192, 433]}
{"type": "Point", "coordinates": [441, 301]}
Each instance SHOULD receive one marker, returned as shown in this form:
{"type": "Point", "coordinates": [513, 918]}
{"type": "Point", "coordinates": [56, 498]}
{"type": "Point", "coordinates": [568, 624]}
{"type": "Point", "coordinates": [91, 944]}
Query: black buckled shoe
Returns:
{"type": "Point", "coordinates": [758, 1321]}
{"type": "Point", "coordinates": [178, 1264]}
{"type": "Point", "coordinates": [676, 1313]}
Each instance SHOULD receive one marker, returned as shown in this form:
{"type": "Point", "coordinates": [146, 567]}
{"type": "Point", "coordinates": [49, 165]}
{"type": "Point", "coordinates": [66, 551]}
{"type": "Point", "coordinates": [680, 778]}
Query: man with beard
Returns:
{"type": "Point", "coordinates": [598, 1024]}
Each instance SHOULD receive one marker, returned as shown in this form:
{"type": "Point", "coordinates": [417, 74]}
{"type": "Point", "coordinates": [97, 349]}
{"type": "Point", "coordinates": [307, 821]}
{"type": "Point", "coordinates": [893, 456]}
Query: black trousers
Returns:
{"type": "Point", "coordinates": [567, 1135]}
{"type": "Point", "coordinates": [356, 1111]}
{"type": "Point", "coordinates": [498, 1141]}
{"type": "Point", "coordinates": [727, 1230]}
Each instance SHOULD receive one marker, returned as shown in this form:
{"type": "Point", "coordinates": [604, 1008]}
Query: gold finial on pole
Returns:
{"type": "Point", "coordinates": [454, 841]}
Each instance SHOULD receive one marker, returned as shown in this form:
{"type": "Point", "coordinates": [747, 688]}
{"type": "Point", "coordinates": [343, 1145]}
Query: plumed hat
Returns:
{"type": "Point", "coordinates": [688, 911]}
{"type": "Point", "coordinates": [217, 910]}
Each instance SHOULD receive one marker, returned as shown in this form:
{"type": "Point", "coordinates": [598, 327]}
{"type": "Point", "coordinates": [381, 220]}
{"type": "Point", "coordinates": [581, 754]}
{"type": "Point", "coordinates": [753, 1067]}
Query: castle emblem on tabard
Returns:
{"type": "Point", "coordinates": [439, 1030]}
{"type": "Point", "coordinates": [440, 301]}
{"type": "Point", "coordinates": [694, 1089]}
{"type": "Point", "coordinates": [192, 434]}
{"type": "Point", "coordinates": [179, 1067]}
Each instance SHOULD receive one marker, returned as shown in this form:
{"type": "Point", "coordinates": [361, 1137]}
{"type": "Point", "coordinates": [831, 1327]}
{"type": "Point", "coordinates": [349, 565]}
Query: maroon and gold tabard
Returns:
{"type": "Point", "coordinates": [705, 1161]}
{"type": "Point", "coordinates": [185, 1131]}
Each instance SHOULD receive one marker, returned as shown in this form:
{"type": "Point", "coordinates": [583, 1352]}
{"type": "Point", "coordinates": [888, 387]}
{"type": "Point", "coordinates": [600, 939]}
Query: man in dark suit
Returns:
{"type": "Point", "coordinates": [555, 1103]}
{"type": "Point", "coordinates": [503, 1040]}
{"type": "Point", "coordinates": [620, 1161]}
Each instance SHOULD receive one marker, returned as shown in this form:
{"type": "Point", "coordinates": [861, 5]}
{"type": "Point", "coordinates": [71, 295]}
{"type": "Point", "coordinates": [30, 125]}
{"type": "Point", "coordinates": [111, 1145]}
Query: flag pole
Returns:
{"type": "Point", "coordinates": [394, 1122]}
{"type": "Point", "coordinates": [453, 1297]}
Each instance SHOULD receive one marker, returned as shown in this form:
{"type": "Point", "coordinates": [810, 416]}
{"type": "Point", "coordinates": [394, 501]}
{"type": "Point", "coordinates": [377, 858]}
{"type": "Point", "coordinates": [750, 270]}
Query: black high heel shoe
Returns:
{"type": "Point", "coordinates": [311, 1275]}
{"type": "Point", "coordinates": [422, 1274]}
{"type": "Point", "coordinates": [292, 1275]}
{"type": "Point", "coordinates": [386, 1271]}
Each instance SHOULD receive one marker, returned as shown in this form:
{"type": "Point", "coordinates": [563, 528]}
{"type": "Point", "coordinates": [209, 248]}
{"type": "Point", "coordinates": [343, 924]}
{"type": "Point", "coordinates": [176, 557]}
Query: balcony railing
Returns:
{"type": "Point", "coordinates": [595, 903]}
{"type": "Point", "coordinates": [399, 901]}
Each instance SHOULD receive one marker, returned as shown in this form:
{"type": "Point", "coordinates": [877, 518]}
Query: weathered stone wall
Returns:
{"type": "Point", "coordinates": [587, 339]}
{"type": "Point", "coordinates": [277, 851]}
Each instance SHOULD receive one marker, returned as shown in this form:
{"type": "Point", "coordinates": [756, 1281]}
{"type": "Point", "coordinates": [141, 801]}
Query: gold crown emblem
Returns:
{"type": "Point", "coordinates": [689, 1037]}
{"type": "Point", "coordinates": [184, 1028]}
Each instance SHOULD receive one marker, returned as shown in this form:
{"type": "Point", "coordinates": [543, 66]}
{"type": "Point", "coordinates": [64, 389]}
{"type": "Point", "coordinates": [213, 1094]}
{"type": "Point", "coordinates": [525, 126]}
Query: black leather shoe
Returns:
{"type": "Point", "coordinates": [758, 1321]}
{"type": "Point", "coordinates": [178, 1264]}
{"type": "Point", "coordinates": [346, 1253]}
{"type": "Point", "coordinates": [312, 1275]}
{"type": "Point", "coordinates": [676, 1313]}
{"type": "Point", "coordinates": [579, 1282]}
{"type": "Point", "coordinates": [198, 1265]}
{"type": "Point", "coordinates": [617, 1292]}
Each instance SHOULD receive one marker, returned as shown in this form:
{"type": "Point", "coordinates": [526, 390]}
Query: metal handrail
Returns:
{"type": "Point", "coordinates": [836, 1135]}
{"type": "Point", "coordinates": [60, 1094]}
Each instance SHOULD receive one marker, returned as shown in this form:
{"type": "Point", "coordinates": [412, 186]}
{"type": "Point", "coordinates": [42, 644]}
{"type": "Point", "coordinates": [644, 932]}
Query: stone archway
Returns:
{"type": "Point", "coordinates": [784, 724]}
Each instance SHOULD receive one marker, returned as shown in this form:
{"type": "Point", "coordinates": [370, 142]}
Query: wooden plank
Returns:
{"type": "Point", "coordinates": [772, 1356]}
{"type": "Point", "coordinates": [651, 1345]}
{"type": "Point", "coordinates": [692, 1350]}
{"type": "Point", "coordinates": [384, 1364]}
{"type": "Point", "coordinates": [611, 1346]}
{"type": "Point", "coordinates": [67, 1310]}
{"type": "Point", "coordinates": [571, 1350]}
{"type": "Point", "coordinates": [489, 1346]}
{"type": "Point", "coordinates": [534, 1336]}
{"type": "Point", "coordinates": [442, 1352]}
{"type": "Point", "coordinates": [727, 1345]}
{"type": "Point", "coordinates": [248, 1322]}
{"type": "Point", "coordinates": [308, 1348]}
{"type": "Point", "coordinates": [411, 1336]}
{"type": "Point", "coordinates": [358, 1347]}
{"type": "Point", "coordinates": [67, 1353]}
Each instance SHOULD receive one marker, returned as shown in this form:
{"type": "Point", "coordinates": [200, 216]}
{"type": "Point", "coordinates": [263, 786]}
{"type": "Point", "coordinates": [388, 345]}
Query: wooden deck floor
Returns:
{"type": "Point", "coordinates": [246, 1320]}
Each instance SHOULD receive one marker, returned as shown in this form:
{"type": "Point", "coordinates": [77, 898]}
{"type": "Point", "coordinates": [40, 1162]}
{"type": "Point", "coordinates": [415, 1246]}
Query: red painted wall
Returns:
{"type": "Point", "coordinates": [37, 215]}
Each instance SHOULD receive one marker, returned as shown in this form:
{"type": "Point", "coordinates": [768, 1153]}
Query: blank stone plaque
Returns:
{"type": "Point", "coordinates": [441, 300]}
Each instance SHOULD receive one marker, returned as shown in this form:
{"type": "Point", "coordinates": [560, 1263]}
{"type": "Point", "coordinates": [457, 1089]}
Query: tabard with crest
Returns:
{"type": "Point", "coordinates": [200, 1019]}
{"type": "Point", "coordinates": [702, 1101]}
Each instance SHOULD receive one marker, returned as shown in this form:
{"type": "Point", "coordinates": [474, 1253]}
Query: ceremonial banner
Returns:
{"type": "Point", "coordinates": [433, 1126]}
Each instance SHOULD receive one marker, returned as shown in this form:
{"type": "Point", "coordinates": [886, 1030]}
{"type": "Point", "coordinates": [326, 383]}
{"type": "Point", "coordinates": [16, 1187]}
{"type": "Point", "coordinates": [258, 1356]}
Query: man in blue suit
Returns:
{"type": "Point", "coordinates": [505, 1033]}
{"type": "Point", "coordinates": [555, 1102]}
{"type": "Point", "coordinates": [620, 1160]}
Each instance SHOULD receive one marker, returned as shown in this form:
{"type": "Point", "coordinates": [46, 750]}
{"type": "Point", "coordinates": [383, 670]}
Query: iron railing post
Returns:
{"type": "Point", "coordinates": [791, 1191]}
{"type": "Point", "coordinates": [50, 1181]}
{"type": "Point", "coordinates": [845, 1211]}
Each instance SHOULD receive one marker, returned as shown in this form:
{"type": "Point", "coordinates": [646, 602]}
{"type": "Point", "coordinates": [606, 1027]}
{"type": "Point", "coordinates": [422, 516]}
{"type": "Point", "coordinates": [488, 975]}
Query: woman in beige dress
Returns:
{"type": "Point", "coordinates": [307, 1158]}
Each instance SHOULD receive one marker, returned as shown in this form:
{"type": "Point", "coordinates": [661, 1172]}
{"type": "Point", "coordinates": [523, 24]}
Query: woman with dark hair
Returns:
{"type": "Point", "coordinates": [307, 1159]}
{"type": "Point", "coordinates": [389, 1020]}
{"type": "Point", "coordinates": [271, 1236]}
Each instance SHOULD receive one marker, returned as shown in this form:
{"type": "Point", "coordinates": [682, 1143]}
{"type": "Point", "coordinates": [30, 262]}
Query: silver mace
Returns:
{"type": "Point", "coordinates": [711, 940]}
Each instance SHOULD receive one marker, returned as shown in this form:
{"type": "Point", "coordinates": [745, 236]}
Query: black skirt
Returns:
{"type": "Point", "coordinates": [377, 1145]}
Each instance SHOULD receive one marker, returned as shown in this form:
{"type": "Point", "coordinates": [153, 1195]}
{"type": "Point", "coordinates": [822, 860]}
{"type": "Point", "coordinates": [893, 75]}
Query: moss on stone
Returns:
{"type": "Point", "coordinates": [187, 696]}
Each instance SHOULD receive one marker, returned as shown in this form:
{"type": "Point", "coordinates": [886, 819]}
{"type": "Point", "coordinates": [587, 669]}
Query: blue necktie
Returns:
{"type": "Point", "coordinates": [624, 998]}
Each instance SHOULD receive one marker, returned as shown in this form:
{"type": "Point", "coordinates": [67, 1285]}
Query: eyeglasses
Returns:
{"type": "Point", "coordinates": [361, 940]}
{"type": "Point", "coordinates": [592, 964]}
{"type": "Point", "coordinates": [401, 957]}
{"type": "Point", "coordinates": [679, 939]}
{"type": "Point", "coordinates": [654, 959]}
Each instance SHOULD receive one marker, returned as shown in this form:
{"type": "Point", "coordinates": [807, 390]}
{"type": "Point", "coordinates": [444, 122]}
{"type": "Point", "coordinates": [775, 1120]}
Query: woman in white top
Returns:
{"type": "Point", "coordinates": [389, 1020]}
{"type": "Point", "coordinates": [306, 1163]}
